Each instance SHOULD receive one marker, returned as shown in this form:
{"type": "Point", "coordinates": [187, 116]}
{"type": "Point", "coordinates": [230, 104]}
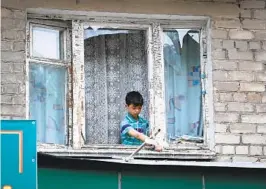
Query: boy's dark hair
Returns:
{"type": "Point", "coordinates": [135, 98]}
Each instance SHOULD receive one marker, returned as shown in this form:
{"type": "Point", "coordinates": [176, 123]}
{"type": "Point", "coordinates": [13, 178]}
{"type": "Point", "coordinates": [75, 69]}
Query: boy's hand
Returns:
{"type": "Point", "coordinates": [158, 148]}
{"type": "Point", "coordinates": [151, 141]}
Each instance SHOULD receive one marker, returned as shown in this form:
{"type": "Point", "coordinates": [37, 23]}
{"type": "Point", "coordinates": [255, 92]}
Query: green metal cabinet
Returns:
{"type": "Point", "coordinates": [18, 154]}
{"type": "Point", "coordinates": [64, 179]}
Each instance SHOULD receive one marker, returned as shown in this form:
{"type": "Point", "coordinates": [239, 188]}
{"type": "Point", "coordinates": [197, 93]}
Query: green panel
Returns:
{"type": "Point", "coordinates": [161, 180]}
{"type": "Point", "coordinates": [227, 181]}
{"type": "Point", "coordinates": [69, 179]}
{"type": "Point", "coordinates": [18, 154]}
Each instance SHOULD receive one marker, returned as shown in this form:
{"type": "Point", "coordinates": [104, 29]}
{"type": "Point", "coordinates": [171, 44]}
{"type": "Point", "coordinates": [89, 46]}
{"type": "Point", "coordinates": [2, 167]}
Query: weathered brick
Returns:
{"type": "Point", "coordinates": [220, 107]}
{"type": "Point", "coordinates": [260, 14]}
{"type": "Point", "coordinates": [264, 45]}
{"type": "Point", "coordinates": [228, 149]}
{"type": "Point", "coordinates": [216, 96]}
{"type": "Point", "coordinates": [6, 45]}
{"type": "Point", "coordinates": [242, 128]}
{"type": "Point", "coordinates": [255, 150]}
{"type": "Point", "coordinates": [18, 14]}
{"type": "Point", "coordinates": [228, 44]}
{"type": "Point", "coordinates": [22, 88]}
{"type": "Point", "coordinates": [6, 13]}
{"type": "Point", "coordinates": [260, 56]}
{"type": "Point", "coordinates": [245, 13]}
{"type": "Point", "coordinates": [260, 108]}
{"type": "Point", "coordinates": [263, 99]}
{"type": "Point", "coordinates": [252, 4]}
{"type": "Point", "coordinates": [254, 97]}
{"type": "Point", "coordinates": [220, 76]}
{"type": "Point", "coordinates": [240, 76]}
{"type": "Point", "coordinates": [19, 46]}
{"type": "Point", "coordinates": [6, 99]}
{"type": "Point", "coordinates": [261, 128]}
{"type": "Point", "coordinates": [233, 24]}
{"type": "Point", "coordinates": [227, 1]}
{"type": "Point", "coordinates": [259, 118]}
{"type": "Point", "coordinates": [226, 97]}
{"type": "Point", "coordinates": [250, 66]}
{"type": "Point", "coordinates": [13, 35]}
{"type": "Point", "coordinates": [260, 35]}
{"type": "Point", "coordinates": [244, 159]}
{"type": "Point", "coordinates": [19, 99]}
{"type": "Point", "coordinates": [241, 34]}
{"type": "Point", "coordinates": [12, 78]}
{"type": "Point", "coordinates": [241, 45]}
{"type": "Point", "coordinates": [227, 139]}
{"type": "Point", "coordinates": [219, 34]}
{"type": "Point", "coordinates": [240, 97]}
{"type": "Point", "coordinates": [13, 56]}
{"type": "Point", "coordinates": [241, 150]}
{"type": "Point", "coordinates": [226, 117]}
{"type": "Point", "coordinates": [226, 86]}
{"type": "Point", "coordinates": [254, 24]}
{"type": "Point", "coordinates": [233, 54]}
{"type": "Point", "coordinates": [13, 24]}
{"type": "Point", "coordinates": [10, 88]}
{"type": "Point", "coordinates": [218, 54]}
{"type": "Point", "coordinates": [221, 128]}
{"type": "Point", "coordinates": [224, 65]}
{"type": "Point", "coordinates": [19, 68]}
{"type": "Point", "coordinates": [254, 139]}
{"type": "Point", "coordinates": [254, 45]}
{"type": "Point", "coordinates": [254, 87]}
{"type": "Point", "coordinates": [13, 110]}
{"type": "Point", "coordinates": [6, 68]}
{"type": "Point", "coordinates": [217, 43]}
{"type": "Point", "coordinates": [240, 107]}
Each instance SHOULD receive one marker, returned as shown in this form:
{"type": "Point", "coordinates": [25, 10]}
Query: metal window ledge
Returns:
{"type": "Point", "coordinates": [119, 152]}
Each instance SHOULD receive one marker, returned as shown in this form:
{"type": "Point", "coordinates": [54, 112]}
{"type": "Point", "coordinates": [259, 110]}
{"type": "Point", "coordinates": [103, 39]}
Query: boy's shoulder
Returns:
{"type": "Point", "coordinates": [143, 120]}
{"type": "Point", "coordinates": [128, 120]}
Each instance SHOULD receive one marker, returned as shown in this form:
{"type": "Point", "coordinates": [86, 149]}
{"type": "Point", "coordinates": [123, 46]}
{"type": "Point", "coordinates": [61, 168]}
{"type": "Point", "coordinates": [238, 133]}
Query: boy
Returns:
{"type": "Point", "coordinates": [134, 129]}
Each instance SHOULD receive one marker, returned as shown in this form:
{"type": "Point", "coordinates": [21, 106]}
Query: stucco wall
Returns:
{"type": "Point", "coordinates": [238, 59]}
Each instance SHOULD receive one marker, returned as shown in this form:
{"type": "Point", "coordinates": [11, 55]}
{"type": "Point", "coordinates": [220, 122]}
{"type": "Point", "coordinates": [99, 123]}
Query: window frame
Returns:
{"type": "Point", "coordinates": [204, 55]}
{"type": "Point", "coordinates": [148, 26]}
{"type": "Point", "coordinates": [63, 62]}
{"type": "Point", "coordinates": [130, 21]}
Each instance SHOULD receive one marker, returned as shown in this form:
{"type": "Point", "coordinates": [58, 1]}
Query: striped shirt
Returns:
{"type": "Point", "coordinates": [141, 125]}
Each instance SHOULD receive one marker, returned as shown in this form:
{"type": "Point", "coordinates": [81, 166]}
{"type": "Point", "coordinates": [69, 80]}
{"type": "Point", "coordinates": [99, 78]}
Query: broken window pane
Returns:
{"type": "Point", "coordinates": [46, 43]}
{"type": "Point", "coordinates": [182, 84]}
{"type": "Point", "coordinates": [115, 63]}
{"type": "Point", "coordinates": [47, 102]}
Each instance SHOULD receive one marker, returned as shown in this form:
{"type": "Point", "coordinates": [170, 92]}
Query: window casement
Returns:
{"type": "Point", "coordinates": [167, 60]}
{"type": "Point", "coordinates": [49, 82]}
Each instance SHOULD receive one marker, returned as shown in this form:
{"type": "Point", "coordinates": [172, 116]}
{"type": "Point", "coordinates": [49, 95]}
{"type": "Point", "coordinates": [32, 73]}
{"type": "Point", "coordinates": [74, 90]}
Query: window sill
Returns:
{"type": "Point", "coordinates": [181, 152]}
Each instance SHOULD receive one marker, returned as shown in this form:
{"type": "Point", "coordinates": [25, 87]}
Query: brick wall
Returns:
{"type": "Point", "coordinates": [239, 76]}
{"type": "Point", "coordinates": [13, 58]}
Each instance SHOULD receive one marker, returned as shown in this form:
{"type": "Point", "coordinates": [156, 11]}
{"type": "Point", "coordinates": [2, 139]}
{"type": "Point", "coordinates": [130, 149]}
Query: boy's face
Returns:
{"type": "Point", "coordinates": [134, 110]}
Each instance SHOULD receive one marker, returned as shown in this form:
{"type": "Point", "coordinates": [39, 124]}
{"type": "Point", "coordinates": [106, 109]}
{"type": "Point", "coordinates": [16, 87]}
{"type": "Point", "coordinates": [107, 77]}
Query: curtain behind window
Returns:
{"type": "Point", "coordinates": [114, 65]}
{"type": "Point", "coordinates": [182, 85]}
{"type": "Point", "coordinates": [47, 102]}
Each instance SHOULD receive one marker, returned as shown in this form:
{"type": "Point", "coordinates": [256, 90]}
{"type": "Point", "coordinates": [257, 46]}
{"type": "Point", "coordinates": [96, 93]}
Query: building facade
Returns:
{"type": "Point", "coordinates": [76, 59]}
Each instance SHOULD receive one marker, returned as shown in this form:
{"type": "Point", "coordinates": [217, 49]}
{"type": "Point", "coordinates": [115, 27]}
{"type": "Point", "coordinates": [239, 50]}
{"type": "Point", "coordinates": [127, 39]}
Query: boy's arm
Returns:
{"type": "Point", "coordinates": [132, 132]}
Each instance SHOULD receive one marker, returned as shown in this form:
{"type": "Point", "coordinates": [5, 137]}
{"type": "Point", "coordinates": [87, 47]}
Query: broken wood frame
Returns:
{"type": "Point", "coordinates": [154, 27]}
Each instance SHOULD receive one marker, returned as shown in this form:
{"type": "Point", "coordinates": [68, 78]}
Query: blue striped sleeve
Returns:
{"type": "Point", "coordinates": [125, 128]}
